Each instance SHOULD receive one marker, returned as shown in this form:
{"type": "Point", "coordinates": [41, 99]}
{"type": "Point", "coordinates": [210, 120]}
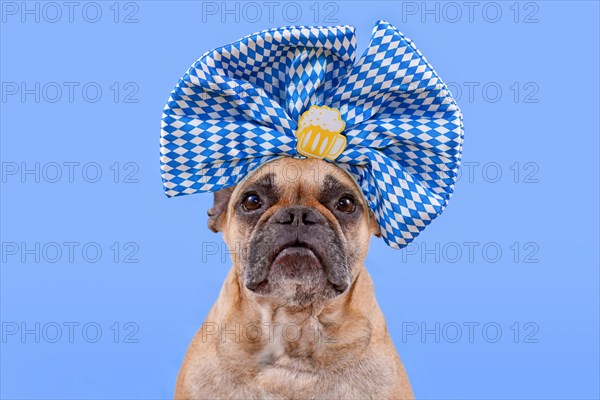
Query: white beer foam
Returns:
{"type": "Point", "coordinates": [324, 117]}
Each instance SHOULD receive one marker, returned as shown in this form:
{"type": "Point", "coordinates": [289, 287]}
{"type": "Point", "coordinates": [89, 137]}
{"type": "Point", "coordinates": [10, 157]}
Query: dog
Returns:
{"type": "Point", "coordinates": [297, 316]}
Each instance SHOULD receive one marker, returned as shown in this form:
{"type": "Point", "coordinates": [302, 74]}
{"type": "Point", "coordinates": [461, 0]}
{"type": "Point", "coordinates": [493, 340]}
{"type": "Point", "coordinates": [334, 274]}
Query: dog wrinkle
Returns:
{"type": "Point", "coordinates": [352, 366]}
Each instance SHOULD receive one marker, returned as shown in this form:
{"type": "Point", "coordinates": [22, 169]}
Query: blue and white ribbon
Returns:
{"type": "Point", "coordinates": [239, 105]}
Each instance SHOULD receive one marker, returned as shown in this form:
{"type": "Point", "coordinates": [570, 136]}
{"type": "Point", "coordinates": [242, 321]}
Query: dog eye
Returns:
{"type": "Point", "coordinates": [251, 202]}
{"type": "Point", "coordinates": [346, 204]}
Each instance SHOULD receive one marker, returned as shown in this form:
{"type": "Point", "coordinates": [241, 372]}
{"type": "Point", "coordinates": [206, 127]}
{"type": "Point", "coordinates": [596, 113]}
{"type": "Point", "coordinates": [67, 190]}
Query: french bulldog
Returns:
{"type": "Point", "coordinates": [297, 316]}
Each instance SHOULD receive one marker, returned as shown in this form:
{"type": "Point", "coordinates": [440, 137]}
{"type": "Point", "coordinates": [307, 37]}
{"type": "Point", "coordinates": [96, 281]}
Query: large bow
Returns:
{"type": "Point", "coordinates": [239, 107]}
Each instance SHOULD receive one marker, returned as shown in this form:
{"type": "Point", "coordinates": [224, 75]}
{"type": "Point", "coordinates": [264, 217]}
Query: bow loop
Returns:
{"type": "Point", "coordinates": [392, 76]}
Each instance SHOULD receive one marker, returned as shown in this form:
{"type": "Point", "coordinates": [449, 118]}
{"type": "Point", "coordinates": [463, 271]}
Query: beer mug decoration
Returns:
{"type": "Point", "coordinates": [319, 133]}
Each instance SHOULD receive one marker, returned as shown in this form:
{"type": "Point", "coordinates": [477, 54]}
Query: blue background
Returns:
{"type": "Point", "coordinates": [550, 209]}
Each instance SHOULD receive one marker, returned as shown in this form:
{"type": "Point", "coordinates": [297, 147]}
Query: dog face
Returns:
{"type": "Point", "coordinates": [298, 230]}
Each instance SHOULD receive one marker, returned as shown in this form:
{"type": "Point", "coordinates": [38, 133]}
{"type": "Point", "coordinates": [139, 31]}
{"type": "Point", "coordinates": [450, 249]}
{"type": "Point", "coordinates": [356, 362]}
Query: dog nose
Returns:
{"type": "Point", "coordinates": [298, 215]}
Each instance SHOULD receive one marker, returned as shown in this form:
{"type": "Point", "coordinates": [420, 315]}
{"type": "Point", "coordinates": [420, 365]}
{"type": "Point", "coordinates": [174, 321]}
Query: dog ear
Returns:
{"type": "Point", "coordinates": [218, 212]}
{"type": "Point", "coordinates": [375, 230]}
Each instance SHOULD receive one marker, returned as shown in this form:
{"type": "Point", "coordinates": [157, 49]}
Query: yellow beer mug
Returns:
{"type": "Point", "coordinates": [319, 133]}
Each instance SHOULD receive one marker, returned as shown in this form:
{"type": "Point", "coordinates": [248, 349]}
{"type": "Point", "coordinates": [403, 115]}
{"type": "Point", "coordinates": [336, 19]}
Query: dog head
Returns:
{"type": "Point", "coordinates": [298, 230]}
